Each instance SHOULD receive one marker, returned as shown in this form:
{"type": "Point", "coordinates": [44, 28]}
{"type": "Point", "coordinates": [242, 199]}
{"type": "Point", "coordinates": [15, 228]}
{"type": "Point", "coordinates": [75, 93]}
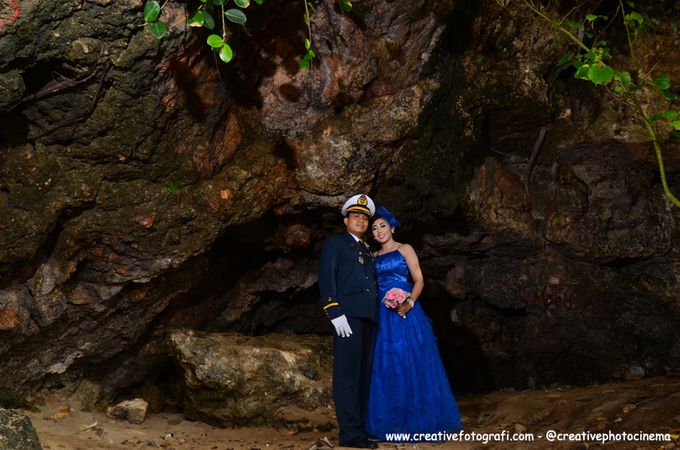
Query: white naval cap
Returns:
{"type": "Point", "coordinates": [360, 203]}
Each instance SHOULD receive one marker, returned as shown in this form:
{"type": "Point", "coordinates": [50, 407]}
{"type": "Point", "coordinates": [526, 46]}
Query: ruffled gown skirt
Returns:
{"type": "Point", "coordinates": [409, 391]}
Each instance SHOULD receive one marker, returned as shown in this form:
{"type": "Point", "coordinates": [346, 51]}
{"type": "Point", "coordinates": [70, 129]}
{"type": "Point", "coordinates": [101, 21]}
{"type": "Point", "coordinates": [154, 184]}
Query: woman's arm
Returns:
{"type": "Point", "coordinates": [416, 274]}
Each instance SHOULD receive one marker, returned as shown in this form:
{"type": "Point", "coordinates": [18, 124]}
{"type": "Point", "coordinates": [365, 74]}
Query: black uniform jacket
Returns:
{"type": "Point", "coordinates": [347, 279]}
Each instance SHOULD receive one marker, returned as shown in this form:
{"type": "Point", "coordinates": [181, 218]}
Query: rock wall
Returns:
{"type": "Point", "coordinates": [143, 186]}
{"type": "Point", "coordinates": [567, 268]}
{"type": "Point", "coordinates": [126, 161]}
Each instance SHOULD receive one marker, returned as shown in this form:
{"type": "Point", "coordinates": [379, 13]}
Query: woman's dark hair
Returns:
{"type": "Point", "coordinates": [383, 213]}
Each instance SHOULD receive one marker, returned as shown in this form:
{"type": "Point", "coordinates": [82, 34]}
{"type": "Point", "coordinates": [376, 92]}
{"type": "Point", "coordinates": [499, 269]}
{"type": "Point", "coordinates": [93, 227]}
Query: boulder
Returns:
{"type": "Point", "coordinates": [134, 411]}
{"type": "Point", "coordinates": [87, 395]}
{"type": "Point", "coordinates": [17, 432]}
{"type": "Point", "coordinates": [236, 380]}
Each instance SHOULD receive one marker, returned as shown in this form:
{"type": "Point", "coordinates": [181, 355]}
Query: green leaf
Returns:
{"type": "Point", "coordinates": [242, 3]}
{"type": "Point", "coordinates": [582, 72]}
{"type": "Point", "coordinates": [305, 18]}
{"type": "Point", "coordinates": [669, 115]}
{"type": "Point", "coordinates": [226, 54]}
{"type": "Point", "coordinates": [662, 81]}
{"type": "Point", "coordinates": [574, 26]}
{"type": "Point", "coordinates": [676, 134]}
{"type": "Point", "coordinates": [236, 16]}
{"type": "Point", "coordinates": [594, 17]}
{"type": "Point", "coordinates": [591, 56]}
{"type": "Point", "coordinates": [676, 125]}
{"type": "Point", "coordinates": [157, 28]}
{"type": "Point", "coordinates": [307, 44]}
{"type": "Point", "coordinates": [197, 20]}
{"type": "Point", "coordinates": [600, 73]}
{"type": "Point", "coordinates": [635, 16]}
{"type": "Point", "coordinates": [604, 53]}
{"type": "Point", "coordinates": [623, 77]}
{"type": "Point", "coordinates": [656, 118]}
{"type": "Point", "coordinates": [219, 2]}
{"type": "Point", "coordinates": [209, 22]}
{"type": "Point", "coordinates": [259, 2]}
{"type": "Point", "coordinates": [564, 59]}
{"type": "Point", "coordinates": [345, 5]}
{"type": "Point", "coordinates": [672, 117]}
{"type": "Point", "coordinates": [306, 61]}
{"type": "Point", "coordinates": [669, 95]}
{"type": "Point", "coordinates": [152, 10]}
{"type": "Point", "coordinates": [215, 41]}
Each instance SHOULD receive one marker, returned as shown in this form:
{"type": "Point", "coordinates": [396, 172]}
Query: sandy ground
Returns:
{"type": "Point", "coordinates": [649, 405]}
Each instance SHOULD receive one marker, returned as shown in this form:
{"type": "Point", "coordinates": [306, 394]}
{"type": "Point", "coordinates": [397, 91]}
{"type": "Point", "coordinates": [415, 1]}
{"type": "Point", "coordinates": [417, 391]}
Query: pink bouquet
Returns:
{"type": "Point", "coordinates": [395, 297]}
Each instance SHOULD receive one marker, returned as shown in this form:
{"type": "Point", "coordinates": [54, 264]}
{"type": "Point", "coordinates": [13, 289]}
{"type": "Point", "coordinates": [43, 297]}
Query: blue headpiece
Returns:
{"type": "Point", "coordinates": [382, 212]}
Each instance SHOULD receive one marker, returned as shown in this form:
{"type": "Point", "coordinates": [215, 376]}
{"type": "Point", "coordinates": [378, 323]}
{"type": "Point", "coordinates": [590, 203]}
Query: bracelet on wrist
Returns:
{"type": "Point", "coordinates": [410, 301]}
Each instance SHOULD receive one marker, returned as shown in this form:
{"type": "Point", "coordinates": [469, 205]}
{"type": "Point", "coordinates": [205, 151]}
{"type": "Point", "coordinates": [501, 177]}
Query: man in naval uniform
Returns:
{"type": "Point", "coordinates": [349, 297]}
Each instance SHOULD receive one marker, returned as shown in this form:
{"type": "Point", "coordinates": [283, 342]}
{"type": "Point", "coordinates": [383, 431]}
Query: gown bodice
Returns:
{"type": "Point", "coordinates": [391, 271]}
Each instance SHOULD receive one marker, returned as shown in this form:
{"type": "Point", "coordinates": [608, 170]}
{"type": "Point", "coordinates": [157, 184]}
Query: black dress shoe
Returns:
{"type": "Point", "coordinates": [359, 442]}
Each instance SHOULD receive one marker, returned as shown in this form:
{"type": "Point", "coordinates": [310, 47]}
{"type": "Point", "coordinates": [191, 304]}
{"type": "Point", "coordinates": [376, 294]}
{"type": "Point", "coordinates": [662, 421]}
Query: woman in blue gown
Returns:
{"type": "Point", "coordinates": [409, 392]}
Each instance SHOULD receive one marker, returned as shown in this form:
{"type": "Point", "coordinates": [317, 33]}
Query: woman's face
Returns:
{"type": "Point", "coordinates": [382, 232]}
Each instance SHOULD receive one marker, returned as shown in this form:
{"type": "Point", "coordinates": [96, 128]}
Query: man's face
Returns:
{"type": "Point", "coordinates": [356, 223]}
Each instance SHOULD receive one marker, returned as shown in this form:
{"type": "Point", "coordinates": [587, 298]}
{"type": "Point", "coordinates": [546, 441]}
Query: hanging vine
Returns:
{"type": "Point", "coordinates": [205, 16]}
{"type": "Point", "coordinates": [591, 60]}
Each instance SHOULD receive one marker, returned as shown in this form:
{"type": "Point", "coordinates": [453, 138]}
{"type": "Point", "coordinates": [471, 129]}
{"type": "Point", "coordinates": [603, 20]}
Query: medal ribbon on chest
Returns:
{"type": "Point", "coordinates": [361, 250]}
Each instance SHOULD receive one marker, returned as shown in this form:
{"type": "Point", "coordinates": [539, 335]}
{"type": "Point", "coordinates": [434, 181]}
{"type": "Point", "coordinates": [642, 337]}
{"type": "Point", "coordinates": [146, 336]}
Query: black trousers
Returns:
{"type": "Point", "coordinates": [352, 365]}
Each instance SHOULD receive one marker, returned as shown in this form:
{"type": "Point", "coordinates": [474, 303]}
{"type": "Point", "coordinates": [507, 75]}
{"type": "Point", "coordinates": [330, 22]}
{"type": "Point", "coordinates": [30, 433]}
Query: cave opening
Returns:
{"type": "Point", "coordinates": [252, 284]}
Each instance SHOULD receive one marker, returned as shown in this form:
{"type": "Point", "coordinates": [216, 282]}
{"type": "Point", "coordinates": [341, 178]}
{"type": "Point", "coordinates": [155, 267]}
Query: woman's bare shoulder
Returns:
{"type": "Point", "coordinates": [406, 250]}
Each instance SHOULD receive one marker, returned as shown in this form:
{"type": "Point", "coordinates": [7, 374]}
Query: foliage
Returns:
{"type": "Point", "coordinates": [172, 189]}
{"type": "Point", "coordinates": [205, 15]}
{"type": "Point", "coordinates": [152, 12]}
{"type": "Point", "coordinates": [592, 61]}
{"type": "Point", "coordinates": [306, 60]}
{"type": "Point", "coordinates": [345, 5]}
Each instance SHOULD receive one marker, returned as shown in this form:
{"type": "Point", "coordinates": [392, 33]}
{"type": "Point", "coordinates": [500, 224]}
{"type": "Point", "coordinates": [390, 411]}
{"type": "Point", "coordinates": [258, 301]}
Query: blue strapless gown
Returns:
{"type": "Point", "coordinates": [409, 392]}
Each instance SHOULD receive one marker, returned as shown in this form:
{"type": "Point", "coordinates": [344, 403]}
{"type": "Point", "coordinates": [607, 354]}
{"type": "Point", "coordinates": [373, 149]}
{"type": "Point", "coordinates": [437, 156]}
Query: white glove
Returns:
{"type": "Point", "coordinates": [342, 326]}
